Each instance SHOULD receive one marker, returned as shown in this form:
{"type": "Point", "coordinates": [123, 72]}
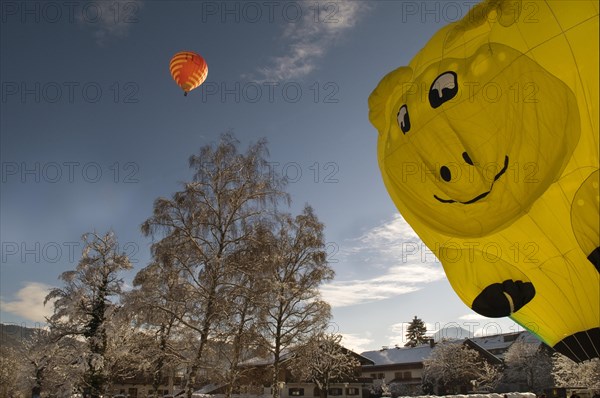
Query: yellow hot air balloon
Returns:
{"type": "Point", "coordinates": [488, 146]}
{"type": "Point", "coordinates": [189, 70]}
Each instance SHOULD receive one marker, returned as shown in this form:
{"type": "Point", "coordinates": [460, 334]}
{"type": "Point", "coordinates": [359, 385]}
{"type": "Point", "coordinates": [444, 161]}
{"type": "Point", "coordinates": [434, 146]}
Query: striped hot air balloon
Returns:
{"type": "Point", "coordinates": [189, 70]}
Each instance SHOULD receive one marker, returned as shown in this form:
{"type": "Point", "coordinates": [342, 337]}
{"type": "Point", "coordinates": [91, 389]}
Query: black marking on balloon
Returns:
{"type": "Point", "coordinates": [467, 158]}
{"type": "Point", "coordinates": [494, 303]}
{"type": "Point", "coordinates": [594, 258]}
{"type": "Point", "coordinates": [580, 346]}
{"type": "Point", "coordinates": [445, 173]}
{"type": "Point", "coordinates": [443, 89]}
{"type": "Point", "coordinates": [403, 119]}
{"type": "Point", "coordinates": [503, 169]}
{"type": "Point", "coordinates": [475, 199]}
{"type": "Point", "coordinates": [482, 195]}
{"type": "Point", "coordinates": [444, 200]}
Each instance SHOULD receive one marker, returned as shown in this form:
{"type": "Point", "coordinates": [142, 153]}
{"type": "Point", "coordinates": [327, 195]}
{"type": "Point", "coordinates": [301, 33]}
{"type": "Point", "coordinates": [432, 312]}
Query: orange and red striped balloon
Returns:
{"type": "Point", "coordinates": [189, 70]}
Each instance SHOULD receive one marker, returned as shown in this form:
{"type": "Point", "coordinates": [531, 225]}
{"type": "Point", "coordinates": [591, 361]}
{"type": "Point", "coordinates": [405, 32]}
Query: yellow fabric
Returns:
{"type": "Point", "coordinates": [522, 104]}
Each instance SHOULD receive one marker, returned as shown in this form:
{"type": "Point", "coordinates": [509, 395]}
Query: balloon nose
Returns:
{"type": "Point", "coordinates": [445, 172]}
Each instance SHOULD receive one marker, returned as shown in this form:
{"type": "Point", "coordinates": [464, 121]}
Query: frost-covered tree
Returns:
{"type": "Point", "coordinates": [48, 366]}
{"type": "Point", "coordinates": [452, 365]}
{"type": "Point", "coordinates": [238, 337]}
{"type": "Point", "coordinates": [568, 373]}
{"type": "Point", "coordinates": [400, 390]}
{"type": "Point", "coordinates": [380, 389]}
{"type": "Point", "coordinates": [87, 307]}
{"type": "Point", "coordinates": [323, 360]}
{"type": "Point", "coordinates": [528, 364]}
{"type": "Point", "coordinates": [10, 369]}
{"type": "Point", "coordinates": [201, 227]}
{"type": "Point", "coordinates": [415, 333]}
{"type": "Point", "coordinates": [292, 309]}
{"type": "Point", "coordinates": [489, 377]}
{"type": "Point", "coordinates": [155, 305]}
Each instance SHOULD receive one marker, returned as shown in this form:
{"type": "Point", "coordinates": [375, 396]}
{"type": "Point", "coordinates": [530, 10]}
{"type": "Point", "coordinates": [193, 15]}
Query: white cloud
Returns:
{"type": "Point", "coordinates": [341, 294]}
{"type": "Point", "coordinates": [109, 18]}
{"type": "Point", "coordinates": [472, 317]}
{"type": "Point", "coordinates": [398, 336]}
{"type": "Point", "coordinates": [29, 303]}
{"type": "Point", "coordinates": [311, 36]}
{"type": "Point", "coordinates": [394, 247]}
{"type": "Point", "coordinates": [356, 342]}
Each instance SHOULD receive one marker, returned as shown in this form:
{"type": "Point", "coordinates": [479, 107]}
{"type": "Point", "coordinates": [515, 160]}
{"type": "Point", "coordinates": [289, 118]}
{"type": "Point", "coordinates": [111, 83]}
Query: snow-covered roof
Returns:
{"type": "Point", "coordinates": [498, 341]}
{"type": "Point", "coordinates": [496, 345]}
{"type": "Point", "coordinates": [264, 361]}
{"type": "Point", "coordinates": [207, 389]}
{"type": "Point", "coordinates": [270, 359]}
{"type": "Point", "coordinates": [501, 342]}
{"type": "Point", "coordinates": [398, 355]}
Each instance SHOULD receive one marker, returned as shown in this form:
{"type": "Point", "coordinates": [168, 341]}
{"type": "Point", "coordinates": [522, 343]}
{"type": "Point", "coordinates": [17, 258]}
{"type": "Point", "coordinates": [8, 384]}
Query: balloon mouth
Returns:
{"type": "Point", "coordinates": [480, 196]}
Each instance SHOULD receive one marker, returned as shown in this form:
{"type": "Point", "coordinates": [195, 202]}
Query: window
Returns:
{"type": "Point", "coordinates": [132, 392]}
{"type": "Point", "coordinates": [373, 375]}
{"type": "Point", "coordinates": [335, 391]}
{"type": "Point", "coordinates": [352, 391]}
{"type": "Point", "coordinates": [380, 376]}
{"type": "Point", "coordinates": [296, 392]}
{"type": "Point", "coordinates": [407, 375]}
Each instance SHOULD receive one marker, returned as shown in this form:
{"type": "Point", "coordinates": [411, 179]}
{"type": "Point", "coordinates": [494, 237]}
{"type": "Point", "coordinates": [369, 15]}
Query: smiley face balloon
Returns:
{"type": "Point", "coordinates": [488, 146]}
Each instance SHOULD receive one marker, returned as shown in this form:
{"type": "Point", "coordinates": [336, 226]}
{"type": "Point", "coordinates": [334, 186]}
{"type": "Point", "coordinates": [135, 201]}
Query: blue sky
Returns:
{"type": "Point", "coordinates": [93, 130]}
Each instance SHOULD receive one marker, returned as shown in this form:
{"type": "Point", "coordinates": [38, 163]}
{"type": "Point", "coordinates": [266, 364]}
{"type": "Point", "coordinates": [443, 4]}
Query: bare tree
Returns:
{"type": "Point", "coordinates": [202, 226]}
{"type": "Point", "coordinates": [489, 377]}
{"type": "Point", "coordinates": [238, 333]}
{"type": "Point", "coordinates": [83, 308]}
{"type": "Point", "coordinates": [567, 373]}
{"type": "Point", "coordinates": [49, 366]}
{"type": "Point", "coordinates": [156, 304]}
{"type": "Point", "coordinates": [292, 309]}
{"type": "Point", "coordinates": [323, 360]}
{"type": "Point", "coordinates": [528, 364]}
{"type": "Point", "coordinates": [10, 369]}
{"type": "Point", "coordinates": [452, 365]}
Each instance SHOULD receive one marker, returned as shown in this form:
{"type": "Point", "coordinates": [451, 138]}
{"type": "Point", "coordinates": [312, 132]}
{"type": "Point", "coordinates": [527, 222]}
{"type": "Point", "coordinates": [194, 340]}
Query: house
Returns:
{"type": "Point", "coordinates": [401, 368]}
{"type": "Point", "coordinates": [257, 379]}
{"type": "Point", "coordinates": [498, 344]}
{"type": "Point", "coordinates": [400, 365]}
{"type": "Point", "coordinates": [140, 386]}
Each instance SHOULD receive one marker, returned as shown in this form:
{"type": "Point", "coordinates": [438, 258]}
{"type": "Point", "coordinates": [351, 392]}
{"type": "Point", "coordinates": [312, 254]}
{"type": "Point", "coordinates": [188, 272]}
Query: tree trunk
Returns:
{"type": "Point", "coordinates": [237, 350]}
{"type": "Point", "coordinates": [275, 393]}
{"type": "Point", "coordinates": [191, 380]}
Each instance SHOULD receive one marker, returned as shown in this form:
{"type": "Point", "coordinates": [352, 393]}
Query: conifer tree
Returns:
{"type": "Point", "coordinates": [415, 333]}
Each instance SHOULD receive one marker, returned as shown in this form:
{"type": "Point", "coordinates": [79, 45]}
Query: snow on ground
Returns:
{"type": "Point", "coordinates": [492, 395]}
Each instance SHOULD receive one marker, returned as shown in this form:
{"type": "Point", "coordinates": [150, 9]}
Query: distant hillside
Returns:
{"type": "Point", "coordinates": [11, 335]}
{"type": "Point", "coordinates": [451, 333]}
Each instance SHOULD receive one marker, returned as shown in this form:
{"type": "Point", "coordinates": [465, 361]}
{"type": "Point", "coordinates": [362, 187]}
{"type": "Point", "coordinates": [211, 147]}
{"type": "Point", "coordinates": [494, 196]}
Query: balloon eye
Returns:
{"type": "Point", "coordinates": [403, 119]}
{"type": "Point", "coordinates": [443, 89]}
